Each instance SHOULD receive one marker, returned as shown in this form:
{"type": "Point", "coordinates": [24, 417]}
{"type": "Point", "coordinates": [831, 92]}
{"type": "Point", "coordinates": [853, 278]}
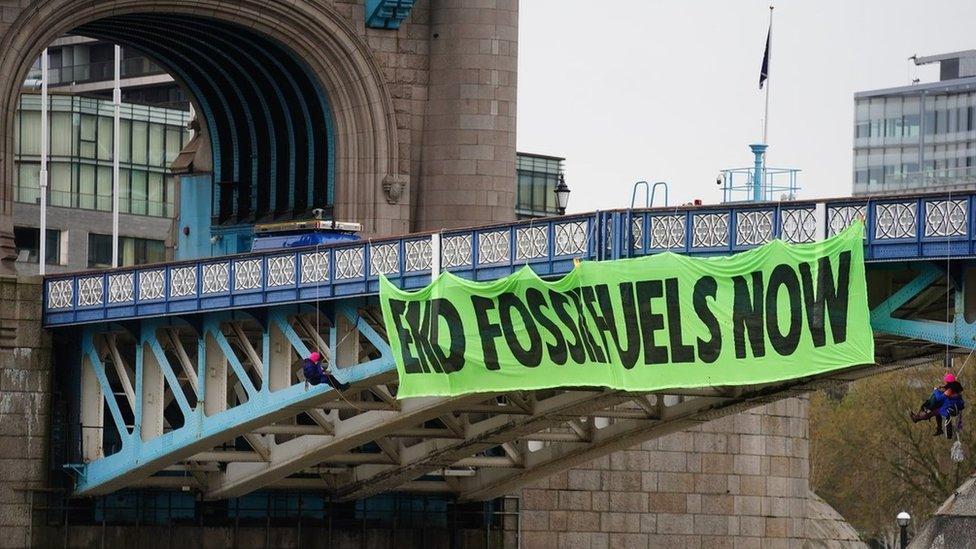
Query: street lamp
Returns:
{"type": "Point", "coordinates": [903, 520]}
{"type": "Point", "coordinates": [562, 195]}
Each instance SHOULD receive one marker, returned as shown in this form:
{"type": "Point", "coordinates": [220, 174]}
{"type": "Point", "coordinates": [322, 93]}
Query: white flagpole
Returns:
{"type": "Point", "coordinates": [769, 64]}
{"type": "Point", "coordinates": [116, 102]}
{"type": "Point", "coordinates": [42, 244]}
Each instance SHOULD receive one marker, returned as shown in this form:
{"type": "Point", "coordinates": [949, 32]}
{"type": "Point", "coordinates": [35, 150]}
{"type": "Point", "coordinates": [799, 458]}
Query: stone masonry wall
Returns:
{"type": "Point", "coordinates": [738, 481]}
{"type": "Point", "coordinates": [25, 358]}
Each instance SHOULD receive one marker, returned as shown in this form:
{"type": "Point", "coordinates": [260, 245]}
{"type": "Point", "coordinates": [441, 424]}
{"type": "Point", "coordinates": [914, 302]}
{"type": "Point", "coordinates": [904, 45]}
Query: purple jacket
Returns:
{"type": "Point", "coordinates": [945, 405]}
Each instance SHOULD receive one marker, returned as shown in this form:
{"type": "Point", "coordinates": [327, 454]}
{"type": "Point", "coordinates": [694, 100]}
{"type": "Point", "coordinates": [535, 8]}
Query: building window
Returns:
{"type": "Point", "coordinates": [132, 251]}
{"type": "Point", "coordinates": [27, 241]}
{"type": "Point", "coordinates": [537, 179]}
{"type": "Point", "coordinates": [80, 168]}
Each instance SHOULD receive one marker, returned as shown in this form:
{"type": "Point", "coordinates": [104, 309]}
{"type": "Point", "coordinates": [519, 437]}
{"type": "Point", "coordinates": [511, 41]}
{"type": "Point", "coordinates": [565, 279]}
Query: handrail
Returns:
{"type": "Point", "coordinates": [549, 245]}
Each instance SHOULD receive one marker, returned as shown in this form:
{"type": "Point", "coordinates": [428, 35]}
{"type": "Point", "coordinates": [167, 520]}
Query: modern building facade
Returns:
{"type": "Point", "coordinates": [537, 176]}
{"type": "Point", "coordinates": [921, 136]}
{"type": "Point", "coordinates": [82, 65]}
{"type": "Point", "coordinates": [80, 182]}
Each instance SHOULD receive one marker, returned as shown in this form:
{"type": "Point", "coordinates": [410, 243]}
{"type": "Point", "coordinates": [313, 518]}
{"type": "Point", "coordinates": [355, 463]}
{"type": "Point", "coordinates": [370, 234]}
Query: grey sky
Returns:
{"type": "Point", "coordinates": [668, 89]}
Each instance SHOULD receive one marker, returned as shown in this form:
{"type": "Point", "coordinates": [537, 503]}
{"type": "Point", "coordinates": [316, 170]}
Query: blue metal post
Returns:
{"type": "Point", "coordinates": [758, 149]}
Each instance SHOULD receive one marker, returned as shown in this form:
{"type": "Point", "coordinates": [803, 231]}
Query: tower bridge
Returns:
{"type": "Point", "coordinates": [189, 370]}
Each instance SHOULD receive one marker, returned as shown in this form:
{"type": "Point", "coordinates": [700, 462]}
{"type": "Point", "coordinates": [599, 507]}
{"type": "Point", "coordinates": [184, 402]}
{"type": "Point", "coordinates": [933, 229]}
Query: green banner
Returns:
{"type": "Point", "coordinates": [664, 321]}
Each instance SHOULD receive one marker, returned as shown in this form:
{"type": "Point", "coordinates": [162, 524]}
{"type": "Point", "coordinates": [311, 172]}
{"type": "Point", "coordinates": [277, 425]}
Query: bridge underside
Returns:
{"type": "Point", "coordinates": [215, 402]}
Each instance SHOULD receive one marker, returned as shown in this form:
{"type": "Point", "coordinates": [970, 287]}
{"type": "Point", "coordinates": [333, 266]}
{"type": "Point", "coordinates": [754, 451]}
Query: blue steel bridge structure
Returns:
{"type": "Point", "coordinates": [185, 374]}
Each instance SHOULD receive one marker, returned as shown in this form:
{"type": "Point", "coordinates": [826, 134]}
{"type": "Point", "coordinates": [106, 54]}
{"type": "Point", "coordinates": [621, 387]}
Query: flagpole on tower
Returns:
{"type": "Point", "coordinates": [766, 62]}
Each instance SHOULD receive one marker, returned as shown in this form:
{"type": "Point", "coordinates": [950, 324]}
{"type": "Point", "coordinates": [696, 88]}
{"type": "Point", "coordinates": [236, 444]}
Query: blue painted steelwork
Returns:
{"type": "Point", "coordinates": [908, 228]}
{"type": "Point", "coordinates": [387, 14]}
{"type": "Point", "coordinates": [759, 150]}
{"type": "Point", "coordinates": [196, 191]}
{"type": "Point", "coordinates": [200, 431]}
{"type": "Point", "coordinates": [957, 332]}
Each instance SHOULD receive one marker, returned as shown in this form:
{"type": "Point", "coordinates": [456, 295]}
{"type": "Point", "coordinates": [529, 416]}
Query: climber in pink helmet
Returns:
{"type": "Point", "coordinates": [315, 372]}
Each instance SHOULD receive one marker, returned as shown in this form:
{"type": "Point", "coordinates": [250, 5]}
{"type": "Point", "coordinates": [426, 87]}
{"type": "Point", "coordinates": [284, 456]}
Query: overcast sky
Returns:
{"type": "Point", "coordinates": [668, 89]}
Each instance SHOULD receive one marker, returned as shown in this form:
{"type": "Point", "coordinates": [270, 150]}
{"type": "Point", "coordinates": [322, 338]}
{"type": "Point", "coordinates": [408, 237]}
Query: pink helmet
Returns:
{"type": "Point", "coordinates": [949, 378]}
{"type": "Point", "coordinates": [315, 356]}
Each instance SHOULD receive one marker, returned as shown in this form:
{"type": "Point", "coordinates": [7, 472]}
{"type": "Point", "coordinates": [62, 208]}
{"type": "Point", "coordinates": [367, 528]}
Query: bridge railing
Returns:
{"type": "Point", "coordinates": [898, 228]}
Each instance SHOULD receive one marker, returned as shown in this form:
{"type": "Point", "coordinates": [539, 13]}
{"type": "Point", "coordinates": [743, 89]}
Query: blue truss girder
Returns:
{"type": "Point", "coordinates": [138, 458]}
{"type": "Point", "coordinates": [956, 333]}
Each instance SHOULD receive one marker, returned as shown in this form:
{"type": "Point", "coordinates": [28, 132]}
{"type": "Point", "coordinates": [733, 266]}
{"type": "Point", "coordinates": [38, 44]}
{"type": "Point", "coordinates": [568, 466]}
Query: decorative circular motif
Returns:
{"type": "Point", "coordinates": [89, 291]}
{"type": "Point", "coordinates": [570, 238]}
{"type": "Point", "coordinates": [493, 247]}
{"type": "Point", "coordinates": [667, 231]}
{"type": "Point", "coordinates": [120, 287]}
{"type": "Point", "coordinates": [151, 284]}
{"type": "Point", "coordinates": [798, 226]}
{"type": "Point", "coordinates": [531, 243]}
{"type": "Point", "coordinates": [456, 251]}
{"type": "Point", "coordinates": [946, 218]}
{"type": "Point", "coordinates": [710, 230]}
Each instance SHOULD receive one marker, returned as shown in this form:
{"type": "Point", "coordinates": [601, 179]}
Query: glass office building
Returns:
{"type": "Point", "coordinates": [537, 176]}
{"type": "Point", "coordinates": [80, 148]}
{"type": "Point", "coordinates": [920, 137]}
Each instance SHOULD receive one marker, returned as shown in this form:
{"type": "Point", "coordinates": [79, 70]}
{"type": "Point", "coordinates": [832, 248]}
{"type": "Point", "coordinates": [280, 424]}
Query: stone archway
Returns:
{"type": "Point", "coordinates": [366, 144]}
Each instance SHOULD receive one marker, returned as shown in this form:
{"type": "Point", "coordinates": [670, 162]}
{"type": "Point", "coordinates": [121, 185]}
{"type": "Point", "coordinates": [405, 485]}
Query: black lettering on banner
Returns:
{"type": "Point", "coordinates": [411, 364]}
{"type": "Point", "coordinates": [747, 315]}
{"type": "Point", "coordinates": [593, 348]}
{"type": "Point", "coordinates": [628, 355]}
{"type": "Point", "coordinates": [576, 349]}
{"type": "Point", "coordinates": [453, 360]}
{"type": "Point", "coordinates": [537, 302]}
{"type": "Point", "coordinates": [679, 351]}
{"type": "Point", "coordinates": [599, 321]}
{"type": "Point", "coordinates": [531, 356]}
{"type": "Point", "coordinates": [708, 351]}
{"type": "Point", "coordinates": [488, 330]}
{"type": "Point", "coordinates": [420, 330]}
{"type": "Point", "coordinates": [827, 298]}
{"type": "Point", "coordinates": [650, 321]}
{"type": "Point", "coordinates": [783, 276]}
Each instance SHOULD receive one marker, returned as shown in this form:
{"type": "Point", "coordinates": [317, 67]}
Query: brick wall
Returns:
{"type": "Point", "coordinates": [739, 481]}
{"type": "Point", "coordinates": [24, 406]}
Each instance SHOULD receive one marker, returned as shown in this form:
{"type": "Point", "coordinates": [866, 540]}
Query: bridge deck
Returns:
{"type": "Point", "coordinates": [906, 228]}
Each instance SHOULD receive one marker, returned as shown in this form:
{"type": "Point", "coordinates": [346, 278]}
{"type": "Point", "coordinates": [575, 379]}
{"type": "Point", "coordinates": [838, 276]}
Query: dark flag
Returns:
{"type": "Point", "coordinates": [764, 71]}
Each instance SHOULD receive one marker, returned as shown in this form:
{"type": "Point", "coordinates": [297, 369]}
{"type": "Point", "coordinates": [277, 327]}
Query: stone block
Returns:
{"type": "Point", "coordinates": [668, 523]}
{"type": "Point", "coordinates": [535, 520]}
{"type": "Point", "coordinates": [718, 542]}
{"type": "Point", "coordinates": [648, 481]}
{"type": "Point", "coordinates": [628, 502]}
{"type": "Point", "coordinates": [559, 522]}
{"type": "Point", "coordinates": [540, 499]}
{"type": "Point", "coordinates": [583, 480]}
{"type": "Point", "coordinates": [747, 543]}
{"type": "Point", "coordinates": [776, 527]}
{"type": "Point", "coordinates": [546, 540]}
{"type": "Point", "coordinates": [600, 501]}
{"type": "Point", "coordinates": [575, 540]}
{"type": "Point", "coordinates": [711, 525]}
{"type": "Point", "coordinates": [648, 523]}
{"type": "Point", "coordinates": [752, 526]}
{"type": "Point", "coordinates": [711, 484]}
{"type": "Point", "coordinates": [717, 504]}
{"type": "Point", "coordinates": [746, 464]}
{"type": "Point", "coordinates": [583, 521]}
{"type": "Point", "coordinates": [628, 541]}
{"type": "Point", "coordinates": [676, 482]}
{"type": "Point", "coordinates": [667, 503]}
{"type": "Point", "coordinates": [574, 500]}
{"type": "Point", "coordinates": [716, 463]}
{"type": "Point", "coordinates": [747, 505]}
{"type": "Point", "coordinates": [622, 481]}
{"type": "Point", "coordinates": [693, 503]}
{"type": "Point", "coordinates": [619, 522]}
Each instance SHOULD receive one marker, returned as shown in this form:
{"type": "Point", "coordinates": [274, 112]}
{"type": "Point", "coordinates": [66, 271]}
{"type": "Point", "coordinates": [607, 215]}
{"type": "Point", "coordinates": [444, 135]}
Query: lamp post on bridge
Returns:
{"type": "Point", "coordinates": [903, 519]}
{"type": "Point", "coordinates": [562, 195]}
